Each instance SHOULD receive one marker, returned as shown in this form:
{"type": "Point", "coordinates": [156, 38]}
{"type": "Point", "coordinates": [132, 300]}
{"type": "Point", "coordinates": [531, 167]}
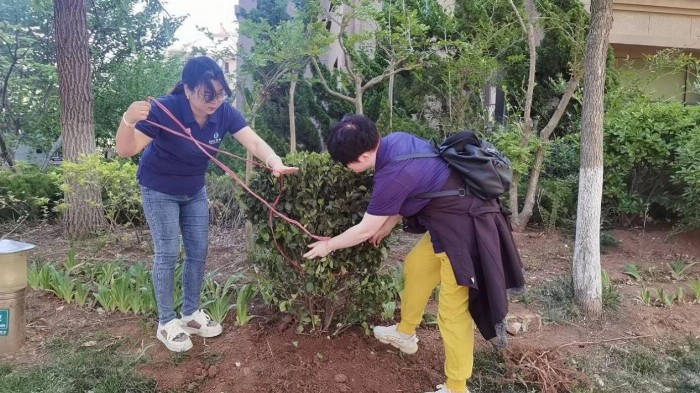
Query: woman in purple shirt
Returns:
{"type": "Point", "coordinates": [468, 249]}
{"type": "Point", "coordinates": [171, 174]}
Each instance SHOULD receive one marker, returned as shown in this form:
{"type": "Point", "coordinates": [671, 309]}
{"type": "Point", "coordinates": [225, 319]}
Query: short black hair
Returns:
{"type": "Point", "coordinates": [351, 137]}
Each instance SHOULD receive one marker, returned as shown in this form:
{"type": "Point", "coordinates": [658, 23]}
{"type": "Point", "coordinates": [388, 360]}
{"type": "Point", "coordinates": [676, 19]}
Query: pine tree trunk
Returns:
{"type": "Point", "coordinates": [84, 214]}
{"type": "Point", "coordinates": [292, 118]}
{"type": "Point", "coordinates": [586, 263]}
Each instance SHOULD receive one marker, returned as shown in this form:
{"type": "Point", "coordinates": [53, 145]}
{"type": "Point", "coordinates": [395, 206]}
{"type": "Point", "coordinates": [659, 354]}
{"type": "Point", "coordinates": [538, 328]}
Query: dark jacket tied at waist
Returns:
{"type": "Point", "coordinates": [476, 235]}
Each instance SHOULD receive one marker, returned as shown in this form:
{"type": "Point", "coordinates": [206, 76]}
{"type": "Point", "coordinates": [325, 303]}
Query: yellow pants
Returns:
{"type": "Point", "coordinates": [423, 271]}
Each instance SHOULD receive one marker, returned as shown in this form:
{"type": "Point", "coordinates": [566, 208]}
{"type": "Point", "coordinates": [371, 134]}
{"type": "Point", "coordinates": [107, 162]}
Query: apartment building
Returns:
{"type": "Point", "coordinates": [643, 27]}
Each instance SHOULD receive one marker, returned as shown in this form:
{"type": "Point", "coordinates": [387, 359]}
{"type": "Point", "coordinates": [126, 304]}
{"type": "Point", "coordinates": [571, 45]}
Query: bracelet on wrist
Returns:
{"type": "Point", "coordinates": [130, 125]}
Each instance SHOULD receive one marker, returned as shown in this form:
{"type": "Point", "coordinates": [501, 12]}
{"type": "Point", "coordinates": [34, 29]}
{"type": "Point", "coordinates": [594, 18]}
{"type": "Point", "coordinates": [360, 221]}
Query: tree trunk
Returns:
{"type": "Point", "coordinates": [84, 214]}
{"type": "Point", "coordinates": [391, 99]}
{"type": "Point", "coordinates": [586, 263]}
{"type": "Point", "coordinates": [358, 98]}
{"type": "Point", "coordinates": [6, 155]}
{"type": "Point", "coordinates": [292, 118]}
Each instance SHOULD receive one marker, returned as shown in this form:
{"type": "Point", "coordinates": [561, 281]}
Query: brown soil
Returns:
{"type": "Point", "coordinates": [268, 356]}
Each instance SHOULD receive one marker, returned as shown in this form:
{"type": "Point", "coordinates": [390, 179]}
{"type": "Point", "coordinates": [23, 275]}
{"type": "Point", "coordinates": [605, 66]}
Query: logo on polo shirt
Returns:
{"type": "Point", "coordinates": [215, 139]}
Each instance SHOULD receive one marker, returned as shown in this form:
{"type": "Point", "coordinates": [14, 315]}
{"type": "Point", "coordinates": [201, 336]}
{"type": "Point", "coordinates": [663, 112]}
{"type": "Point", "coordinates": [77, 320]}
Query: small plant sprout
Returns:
{"type": "Point", "coordinates": [71, 262]}
{"type": "Point", "coordinates": [39, 276]}
{"type": "Point", "coordinates": [106, 273]}
{"type": "Point", "coordinates": [219, 297]}
{"type": "Point", "coordinates": [429, 318]}
{"type": "Point", "coordinates": [633, 271]}
{"type": "Point", "coordinates": [665, 297]}
{"type": "Point", "coordinates": [680, 296]}
{"type": "Point", "coordinates": [246, 293]}
{"type": "Point", "coordinates": [611, 296]}
{"type": "Point", "coordinates": [645, 296]}
{"type": "Point", "coordinates": [695, 287]}
{"type": "Point", "coordinates": [652, 272]}
{"type": "Point", "coordinates": [123, 294]}
{"type": "Point", "coordinates": [679, 267]}
{"type": "Point", "coordinates": [82, 291]}
{"type": "Point", "coordinates": [104, 298]}
{"type": "Point", "coordinates": [63, 285]}
{"type": "Point", "coordinates": [388, 310]}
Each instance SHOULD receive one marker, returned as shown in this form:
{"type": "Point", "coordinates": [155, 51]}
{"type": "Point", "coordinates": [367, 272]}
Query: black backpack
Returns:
{"type": "Point", "coordinates": [485, 170]}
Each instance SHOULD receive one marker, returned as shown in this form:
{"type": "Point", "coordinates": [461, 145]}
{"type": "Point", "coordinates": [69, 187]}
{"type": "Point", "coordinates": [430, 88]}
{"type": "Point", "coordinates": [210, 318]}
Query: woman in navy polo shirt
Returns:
{"type": "Point", "coordinates": [171, 174]}
{"type": "Point", "coordinates": [467, 247]}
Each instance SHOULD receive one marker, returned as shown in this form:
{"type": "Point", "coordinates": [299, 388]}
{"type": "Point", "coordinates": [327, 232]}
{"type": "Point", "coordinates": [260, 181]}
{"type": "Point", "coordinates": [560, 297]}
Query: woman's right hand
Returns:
{"type": "Point", "coordinates": [138, 110]}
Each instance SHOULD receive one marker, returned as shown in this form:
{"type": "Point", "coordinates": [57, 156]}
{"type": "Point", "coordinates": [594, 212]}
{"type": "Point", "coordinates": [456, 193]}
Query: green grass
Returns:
{"type": "Point", "coordinates": [556, 299]}
{"type": "Point", "coordinates": [99, 369]}
{"type": "Point", "coordinates": [631, 368]}
{"type": "Point", "coordinates": [648, 369]}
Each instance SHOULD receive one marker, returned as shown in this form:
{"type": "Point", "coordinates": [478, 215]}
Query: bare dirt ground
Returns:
{"type": "Point", "coordinates": [268, 356]}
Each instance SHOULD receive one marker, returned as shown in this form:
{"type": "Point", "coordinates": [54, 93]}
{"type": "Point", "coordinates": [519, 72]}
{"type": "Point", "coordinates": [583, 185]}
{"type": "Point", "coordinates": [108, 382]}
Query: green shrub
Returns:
{"type": "Point", "coordinates": [28, 192]}
{"type": "Point", "coordinates": [121, 195]}
{"type": "Point", "coordinates": [556, 202]}
{"type": "Point", "coordinates": [651, 167]}
{"type": "Point", "coordinates": [333, 292]}
{"type": "Point", "coordinates": [687, 176]}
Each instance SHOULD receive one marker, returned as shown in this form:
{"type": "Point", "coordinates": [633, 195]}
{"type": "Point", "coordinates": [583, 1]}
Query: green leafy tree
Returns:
{"type": "Point", "coordinates": [373, 53]}
{"type": "Point", "coordinates": [28, 87]}
{"type": "Point", "coordinates": [531, 132]}
{"type": "Point", "coordinates": [279, 54]}
{"type": "Point", "coordinates": [133, 79]}
{"type": "Point", "coordinates": [118, 31]}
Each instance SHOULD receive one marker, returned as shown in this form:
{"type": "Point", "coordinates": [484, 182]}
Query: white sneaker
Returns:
{"type": "Point", "coordinates": [201, 324]}
{"type": "Point", "coordinates": [389, 335]}
{"type": "Point", "coordinates": [442, 389]}
{"type": "Point", "coordinates": [173, 336]}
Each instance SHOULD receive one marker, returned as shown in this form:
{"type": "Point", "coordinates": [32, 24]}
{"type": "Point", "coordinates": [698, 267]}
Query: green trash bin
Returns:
{"type": "Point", "coordinates": [13, 287]}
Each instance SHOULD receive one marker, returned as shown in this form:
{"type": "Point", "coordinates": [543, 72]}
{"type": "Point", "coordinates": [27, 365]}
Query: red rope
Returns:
{"type": "Point", "coordinates": [187, 134]}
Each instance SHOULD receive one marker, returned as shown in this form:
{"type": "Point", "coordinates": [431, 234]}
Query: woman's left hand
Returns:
{"type": "Point", "coordinates": [278, 168]}
{"type": "Point", "coordinates": [319, 249]}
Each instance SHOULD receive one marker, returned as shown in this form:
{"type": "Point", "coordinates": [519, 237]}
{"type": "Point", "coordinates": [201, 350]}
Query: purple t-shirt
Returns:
{"type": "Point", "coordinates": [174, 165]}
{"type": "Point", "coordinates": [396, 182]}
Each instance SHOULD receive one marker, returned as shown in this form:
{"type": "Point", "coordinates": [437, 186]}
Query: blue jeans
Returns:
{"type": "Point", "coordinates": [169, 216]}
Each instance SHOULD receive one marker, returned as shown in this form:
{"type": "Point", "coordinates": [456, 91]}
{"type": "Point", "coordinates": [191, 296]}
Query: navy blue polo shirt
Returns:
{"type": "Point", "coordinates": [174, 165]}
{"type": "Point", "coordinates": [395, 182]}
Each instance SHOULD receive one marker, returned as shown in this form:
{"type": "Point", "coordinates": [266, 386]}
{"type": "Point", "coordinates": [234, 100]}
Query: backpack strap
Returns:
{"type": "Point", "coordinates": [414, 155]}
{"type": "Point", "coordinates": [436, 194]}
{"type": "Point", "coordinates": [439, 194]}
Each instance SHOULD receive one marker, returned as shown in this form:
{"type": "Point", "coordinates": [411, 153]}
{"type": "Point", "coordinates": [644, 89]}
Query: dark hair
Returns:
{"type": "Point", "coordinates": [200, 71]}
{"type": "Point", "coordinates": [351, 137]}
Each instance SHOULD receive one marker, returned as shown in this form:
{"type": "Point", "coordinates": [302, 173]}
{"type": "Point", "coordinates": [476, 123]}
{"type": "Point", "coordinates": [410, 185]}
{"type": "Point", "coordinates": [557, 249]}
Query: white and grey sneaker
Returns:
{"type": "Point", "coordinates": [201, 324]}
{"type": "Point", "coordinates": [173, 336]}
{"type": "Point", "coordinates": [443, 389]}
{"type": "Point", "coordinates": [390, 335]}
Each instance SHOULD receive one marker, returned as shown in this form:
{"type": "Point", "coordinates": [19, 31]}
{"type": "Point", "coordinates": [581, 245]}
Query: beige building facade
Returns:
{"type": "Point", "coordinates": [643, 27]}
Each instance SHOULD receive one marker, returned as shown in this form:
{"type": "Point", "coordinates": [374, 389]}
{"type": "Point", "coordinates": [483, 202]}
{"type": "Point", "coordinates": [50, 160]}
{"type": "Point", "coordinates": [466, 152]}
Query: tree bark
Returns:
{"type": "Point", "coordinates": [84, 214]}
{"type": "Point", "coordinates": [292, 118]}
{"type": "Point", "coordinates": [586, 263]}
{"type": "Point", "coordinates": [391, 99]}
{"type": "Point", "coordinates": [521, 218]}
